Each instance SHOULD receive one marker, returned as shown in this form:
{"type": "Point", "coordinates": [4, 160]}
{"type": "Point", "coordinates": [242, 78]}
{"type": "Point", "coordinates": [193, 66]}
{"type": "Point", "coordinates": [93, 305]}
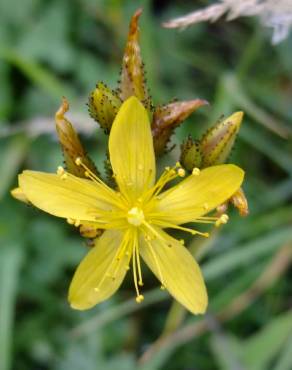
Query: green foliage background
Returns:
{"type": "Point", "coordinates": [59, 47]}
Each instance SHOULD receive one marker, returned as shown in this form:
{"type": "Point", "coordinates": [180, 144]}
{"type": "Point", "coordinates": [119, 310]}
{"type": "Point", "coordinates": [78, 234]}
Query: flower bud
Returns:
{"type": "Point", "coordinates": [70, 143]}
{"type": "Point", "coordinates": [103, 105]}
{"type": "Point", "coordinates": [191, 155]}
{"type": "Point", "coordinates": [217, 143]}
{"type": "Point", "coordinates": [132, 81]}
{"type": "Point", "coordinates": [167, 117]}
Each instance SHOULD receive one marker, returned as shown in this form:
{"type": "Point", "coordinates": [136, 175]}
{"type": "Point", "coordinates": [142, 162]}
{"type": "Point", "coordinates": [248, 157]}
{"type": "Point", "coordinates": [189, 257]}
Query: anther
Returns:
{"type": "Point", "coordinates": [181, 172]}
{"type": "Point", "coordinates": [78, 161]}
{"type": "Point", "coordinates": [64, 176]}
{"type": "Point", "coordinates": [196, 171]}
{"type": "Point", "coordinates": [140, 282]}
{"type": "Point", "coordinates": [70, 221]}
{"type": "Point", "coordinates": [162, 287]}
{"type": "Point", "coordinates": [60, 170]}
{"type": "Point", "coordinates": [77, 223]}
{"type": "Point", "coordinates": [223, 219]}
{"type": "Point", "coordinates": [139, 298]}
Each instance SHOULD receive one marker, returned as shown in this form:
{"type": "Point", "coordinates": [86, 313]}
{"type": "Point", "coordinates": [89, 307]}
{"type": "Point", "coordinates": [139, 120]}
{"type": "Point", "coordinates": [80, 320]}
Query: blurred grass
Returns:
{"type": "Point", "coordinates": [50, 49]}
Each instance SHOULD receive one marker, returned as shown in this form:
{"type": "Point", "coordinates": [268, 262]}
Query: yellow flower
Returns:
{"type": "Point", "coordinates": [136, 215]}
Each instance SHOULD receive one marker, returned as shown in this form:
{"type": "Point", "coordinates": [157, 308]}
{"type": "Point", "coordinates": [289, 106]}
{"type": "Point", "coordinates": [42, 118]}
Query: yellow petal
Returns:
{"type": "Point", "coordinates": [177, 270]}
{"type": "Point", "coordinates": [18, 194]}
{"type": "Point", "coordinates": [131, 149]}
{"type": "Point", "coordinates": [72, 197]}
{"type": "Point", "coordinates": [199, 193]}
{"type": "Point", "coordinates": [94, 280]}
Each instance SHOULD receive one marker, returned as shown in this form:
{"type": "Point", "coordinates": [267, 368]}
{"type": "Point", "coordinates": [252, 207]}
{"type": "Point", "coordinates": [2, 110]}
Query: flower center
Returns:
{"type": "Point", "coordinates": [136, 216]}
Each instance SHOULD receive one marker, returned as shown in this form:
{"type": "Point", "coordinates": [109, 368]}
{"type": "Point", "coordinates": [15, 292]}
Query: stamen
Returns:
{"type": "Point", "coordinates": [140, 281]}
{"type": "Point", "coordinates": [110, 198]}
{"type": "Point", "coordinates": [181, 172]}
{"type": "Point", "coordinates": [154, 232]}
{"type": "Point", "coordinates": [223, 219]}
{"type": "Point", "coordinates": [88, 173]}
{"type": "Point", "coordinates": [170, 225]}
{"type": "Point", "coordinates": [139, 297]}
{"type": "Point", "coordinates": [116, 260]}
{"type": "Point", "coordinates": [168, 175]}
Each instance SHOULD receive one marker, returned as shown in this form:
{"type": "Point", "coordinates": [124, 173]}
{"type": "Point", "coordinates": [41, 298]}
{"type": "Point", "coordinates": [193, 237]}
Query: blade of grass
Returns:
{"type": "Point", "coordinates": [246, 253]}
{"type": "Point", "coordinates": [36, 73]}
{"type": "Point", "coordinates": [155, 356]}
{"type": "Point", "coordinates": [285, 359]}
{"type": "Point", "coordinates": [262, 347]}
{"type": "Point", "coordinates": [240, 98]}
{"type": "Point", "coordinates": [10, 263]}
{"type": "Point", "coordinates": [116, 312]}
{"type": "Point", "coordinates": [11, 160]}
{"type": "Point", "coordinates": [261, 142]}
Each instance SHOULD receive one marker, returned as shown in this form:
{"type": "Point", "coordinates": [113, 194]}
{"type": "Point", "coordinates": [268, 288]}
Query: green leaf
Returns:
{"type": "Point", "coordinates": [10, 263]}
{"type": "Point", "coordinates": [11, 160]}
{"type": "Point", "coordinates": [247, 253]}
{"type": "Point", "coordinates": [262, 347]}
{"type": "Point", "coordinates": [227, 351]}
{"type": "Point", "coordinates": [285, 359]}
